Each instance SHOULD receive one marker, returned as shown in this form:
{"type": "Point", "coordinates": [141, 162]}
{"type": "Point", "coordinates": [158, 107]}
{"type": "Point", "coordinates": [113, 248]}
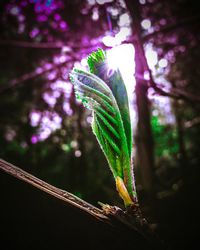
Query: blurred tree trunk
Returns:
{"type": "Point", "coordinates": [180, 131]}
{"type": "Point", "coordinates": [183, 158]}
{"type": "Point", "coordinates": [145, 145]}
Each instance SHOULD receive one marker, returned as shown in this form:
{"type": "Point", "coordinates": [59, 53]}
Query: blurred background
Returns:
{"type": "Point", "coordinates": [47, 132]}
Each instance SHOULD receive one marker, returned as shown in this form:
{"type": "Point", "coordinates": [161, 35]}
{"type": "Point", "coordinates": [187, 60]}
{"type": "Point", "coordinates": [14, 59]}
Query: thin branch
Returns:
{"type": "Point", "coordinates": [175, 93]}
{"type": "Point", "coordinates": [32, 75]}
{"type": "Point", "coordinates": [35, 45]}
{"type": "Point", "coordinates": [53, 191]}
{"type": "Point", "coordinates": [172, 27]}
{"type": "Point", "coordinates": [192, 123]}
{"type": "Point", "coordinates": [70, 46]}
{"type": "Point", "coordinates": [186, 95]}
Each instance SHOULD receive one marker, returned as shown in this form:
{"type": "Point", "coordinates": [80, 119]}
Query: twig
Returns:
{"type": "Point", "coordinates": [32, 75]}
{"type": "Point", "coordinates": [175, 93]}
{"type": "Point", "coordinates": [54, 191]}
{"type": "Point", "coordinates": [71, 46]}
{"type": "Point", "coordinates": [192, 123]}
{"type": "Point", "coordinates": [171, 27]}
{"type": "Point", "coordinates": [34, 45]}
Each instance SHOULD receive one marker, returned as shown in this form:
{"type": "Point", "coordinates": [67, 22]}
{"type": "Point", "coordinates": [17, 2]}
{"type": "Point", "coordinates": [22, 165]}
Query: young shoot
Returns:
{"type": "Point", "coordinates": [103, 91]}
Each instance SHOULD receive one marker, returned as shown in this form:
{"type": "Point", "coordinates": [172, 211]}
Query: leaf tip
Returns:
{"type": "Point", "coordinates": [96, 58]}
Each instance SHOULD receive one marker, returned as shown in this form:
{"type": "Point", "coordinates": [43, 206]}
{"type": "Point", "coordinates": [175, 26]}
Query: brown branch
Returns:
{"type": "Point", "coordinates": [111, 215]}
{"type": "Point", "coordinates": [53, 191]}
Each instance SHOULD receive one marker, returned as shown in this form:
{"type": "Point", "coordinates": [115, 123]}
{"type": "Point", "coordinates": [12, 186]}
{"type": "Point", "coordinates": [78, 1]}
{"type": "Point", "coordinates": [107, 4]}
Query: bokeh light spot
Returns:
{"type": "Point", "coordinates": [146, 24]}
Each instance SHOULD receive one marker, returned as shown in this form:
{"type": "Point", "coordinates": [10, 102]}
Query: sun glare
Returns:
{"type": "Point", "coordinates": [122, 57]}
